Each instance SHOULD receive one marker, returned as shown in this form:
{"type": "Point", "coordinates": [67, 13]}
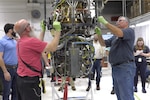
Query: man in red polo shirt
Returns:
{"type": "Point", "coordinates": [30, 50]}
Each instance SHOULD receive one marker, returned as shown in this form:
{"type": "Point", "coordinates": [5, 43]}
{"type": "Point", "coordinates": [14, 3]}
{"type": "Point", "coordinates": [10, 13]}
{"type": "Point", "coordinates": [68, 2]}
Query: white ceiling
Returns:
{"type": "Point", "coordinates": [112, 6]}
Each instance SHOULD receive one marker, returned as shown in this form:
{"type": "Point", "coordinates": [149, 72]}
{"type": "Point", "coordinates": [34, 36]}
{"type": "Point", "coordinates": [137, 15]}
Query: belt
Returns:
{"type": "Point", "coordinates": [128, 61]}
{"type": "Point", "coordinates": [97, 59]}
{"type": "Point", "coordinates": [11, 66]}
{"type": "Point", "coordinates": [29, 80]}
{"type": "Point", "coordinates": [29, 77]}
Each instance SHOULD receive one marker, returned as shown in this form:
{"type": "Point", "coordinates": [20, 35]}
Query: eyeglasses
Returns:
{"type": "Point", "coordinates": [120, 20]}
{"type": "Point", "coordinates": [27, 26]}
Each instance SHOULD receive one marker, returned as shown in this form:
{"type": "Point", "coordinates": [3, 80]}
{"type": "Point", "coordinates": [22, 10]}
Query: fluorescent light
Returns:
{"type": "Point", "coordinates": [132, 26]}
{"type": "Point", "coordinates": [143, 23]}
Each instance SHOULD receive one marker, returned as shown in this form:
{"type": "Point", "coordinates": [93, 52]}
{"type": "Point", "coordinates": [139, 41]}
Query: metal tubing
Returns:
{"type": "Point", "coordinates": [140, 7]}
{"type": "Point", "coordinates": [45, 10]}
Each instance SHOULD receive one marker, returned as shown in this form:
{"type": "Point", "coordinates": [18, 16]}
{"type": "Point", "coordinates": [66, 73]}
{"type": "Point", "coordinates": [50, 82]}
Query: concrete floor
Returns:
{"type": "Point", "coordinates": [52, 92]}
{"type": "Point", "coordinates": [81, 94]}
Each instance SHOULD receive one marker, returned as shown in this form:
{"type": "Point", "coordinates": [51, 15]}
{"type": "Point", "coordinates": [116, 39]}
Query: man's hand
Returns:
{"type": "Point", "coordinates": [97, 30]}
{"type": "Point", "coordinates": [43, 25]}
{"type": "Point", "coordinates": [57, 25]}
{"type": "Point", "coordinates": [102, 20]}
{"type": "Point", "coordinates": [7, 76]}
{"type": "Point", "coordinates": [50, 68]}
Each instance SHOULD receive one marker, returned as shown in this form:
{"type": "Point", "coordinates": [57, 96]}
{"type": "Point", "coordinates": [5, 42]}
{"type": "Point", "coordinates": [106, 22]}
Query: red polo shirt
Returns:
{"type": "Point", "coordinates": [29, 49]}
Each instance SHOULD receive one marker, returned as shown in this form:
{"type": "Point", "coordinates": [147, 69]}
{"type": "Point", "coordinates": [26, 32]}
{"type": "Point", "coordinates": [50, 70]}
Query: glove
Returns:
{"type": "Point", "coordinates": [43, 86]}
{"type": "Point", "coordinates": [57, 26]}
{"type": "Point", "coordinates": [102, 20]}
{"type": "Point", "coordinates": [97, 30]}
{"type": "Point", "coordinates": [43, 25]}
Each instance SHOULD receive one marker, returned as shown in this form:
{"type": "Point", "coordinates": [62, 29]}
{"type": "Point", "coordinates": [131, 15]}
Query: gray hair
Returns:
{"type": "Point", "coordinates": [126, 19]}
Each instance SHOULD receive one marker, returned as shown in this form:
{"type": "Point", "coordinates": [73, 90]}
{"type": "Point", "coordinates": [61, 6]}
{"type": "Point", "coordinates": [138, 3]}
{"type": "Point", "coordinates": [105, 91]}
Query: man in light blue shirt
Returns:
{"type": "Point", "coordinates": [8, 62]}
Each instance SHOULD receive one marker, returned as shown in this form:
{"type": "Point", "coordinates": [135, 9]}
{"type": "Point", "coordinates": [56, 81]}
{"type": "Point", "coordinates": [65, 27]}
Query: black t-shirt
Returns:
{"type": "Point", "coordinates": [143, 58]}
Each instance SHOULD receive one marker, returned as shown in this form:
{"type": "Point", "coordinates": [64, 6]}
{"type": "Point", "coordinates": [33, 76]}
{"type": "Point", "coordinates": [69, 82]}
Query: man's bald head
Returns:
{"type": "Point", "coordinates": [20, 26]}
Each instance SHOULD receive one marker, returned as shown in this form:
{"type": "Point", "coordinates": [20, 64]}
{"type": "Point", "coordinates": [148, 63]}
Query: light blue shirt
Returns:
{"type": "Point", "coordinates": [8, 47]}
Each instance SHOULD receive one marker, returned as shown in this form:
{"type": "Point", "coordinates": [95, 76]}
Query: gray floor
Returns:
{"type": "Point", "coordinates": [52, 92]}
{"type": "Point", "coordinates": [81, 94]}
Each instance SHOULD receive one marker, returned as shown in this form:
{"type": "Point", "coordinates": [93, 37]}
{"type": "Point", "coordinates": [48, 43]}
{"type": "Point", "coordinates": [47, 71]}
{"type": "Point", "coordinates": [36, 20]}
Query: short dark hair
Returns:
{"type": "Point", "coordinates": [7, 27]}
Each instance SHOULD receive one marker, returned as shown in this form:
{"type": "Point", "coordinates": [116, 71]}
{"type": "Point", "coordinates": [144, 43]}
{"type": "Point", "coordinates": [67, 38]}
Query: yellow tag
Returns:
{"type": "Point", "coordinates": [49, 56]}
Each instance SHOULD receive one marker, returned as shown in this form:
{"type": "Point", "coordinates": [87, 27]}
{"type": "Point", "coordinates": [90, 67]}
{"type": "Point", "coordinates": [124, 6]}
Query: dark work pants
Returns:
{"type": "Point", "coordinates": [28, 88]}
{"type": "Point", "coordinates": [140, 70]}
{"type": "Point", "coordinates": [96, 67]}
{"type": "Point", "coordinates": [9, 85]}
{"type": "Point", "coordinates": [147, 72]}
{"type": "Point", "coordinates": [1, 85]}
